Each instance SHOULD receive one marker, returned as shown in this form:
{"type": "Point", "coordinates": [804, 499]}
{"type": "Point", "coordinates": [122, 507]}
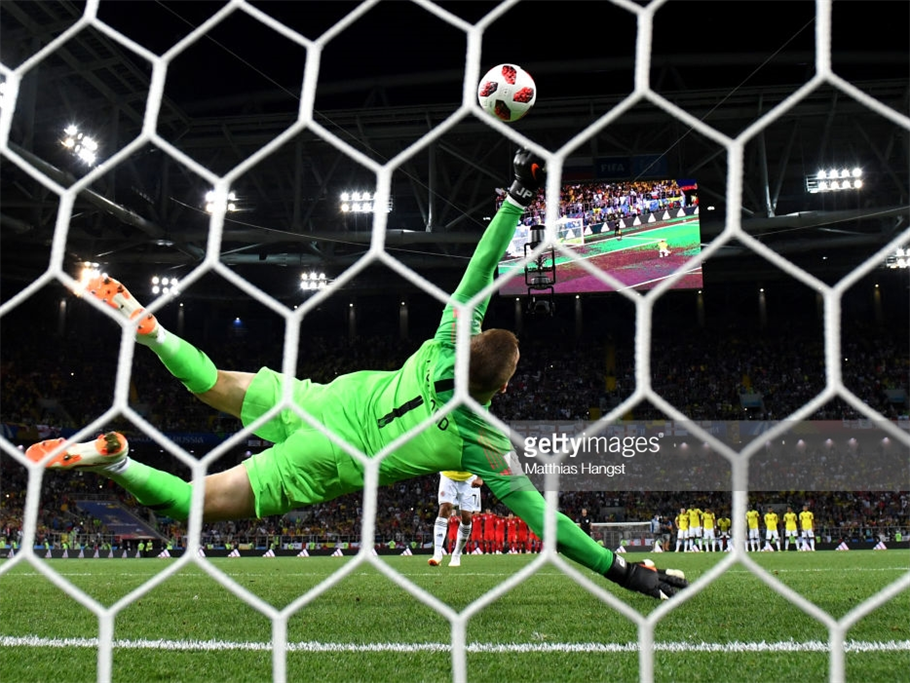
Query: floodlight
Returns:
{"type": "Point", "coordinates": [833, 180]}
{"type": "Point", "coordinates": [165, 285]}
{"type": "Point", "coordinates": [89, 271]}
{"type": "Point", "coordinates": [311, 281]}
{"type": "Point", "coordinates": [359, 201]}
{"type": "Point", "coordinates": [82, 146]}
{"type": "Point", "coordinates": [230, 205]}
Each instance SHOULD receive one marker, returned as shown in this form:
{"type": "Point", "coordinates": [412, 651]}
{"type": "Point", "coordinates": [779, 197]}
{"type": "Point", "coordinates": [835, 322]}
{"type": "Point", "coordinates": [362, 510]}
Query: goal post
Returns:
{"type": "Point", "coordinates": [628, 535]}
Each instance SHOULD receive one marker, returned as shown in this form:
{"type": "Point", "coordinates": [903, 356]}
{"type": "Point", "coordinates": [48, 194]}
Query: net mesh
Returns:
{"type": "Point", "coordinates": [644, 306]}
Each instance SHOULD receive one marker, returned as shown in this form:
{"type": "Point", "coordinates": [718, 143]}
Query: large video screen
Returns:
{"type": "Point", "coordinates": [639, 232]}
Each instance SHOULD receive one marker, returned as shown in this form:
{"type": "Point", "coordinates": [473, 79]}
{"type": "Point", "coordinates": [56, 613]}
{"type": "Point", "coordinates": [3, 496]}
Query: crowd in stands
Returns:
{"type": "Point", "coordinates": [596, 202]}
{"type": "Point", "coordinates": [702, 372]}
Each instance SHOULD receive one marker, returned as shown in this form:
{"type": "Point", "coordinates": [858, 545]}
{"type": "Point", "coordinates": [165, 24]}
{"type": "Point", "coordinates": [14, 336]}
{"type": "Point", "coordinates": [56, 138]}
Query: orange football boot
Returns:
{"type": "Point", "coordinates": [115, 295]}
{"type": "Point", "coordinates": [106, 449]}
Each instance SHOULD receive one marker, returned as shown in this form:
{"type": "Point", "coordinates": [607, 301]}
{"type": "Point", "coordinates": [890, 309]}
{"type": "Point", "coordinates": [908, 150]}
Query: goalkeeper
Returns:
{"type": "Point", "coordinates": [367, 410]}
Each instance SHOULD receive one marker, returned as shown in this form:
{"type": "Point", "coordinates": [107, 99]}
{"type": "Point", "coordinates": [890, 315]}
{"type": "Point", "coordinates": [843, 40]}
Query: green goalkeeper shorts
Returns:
{"type": "Point", "coordinates": [304, 466]}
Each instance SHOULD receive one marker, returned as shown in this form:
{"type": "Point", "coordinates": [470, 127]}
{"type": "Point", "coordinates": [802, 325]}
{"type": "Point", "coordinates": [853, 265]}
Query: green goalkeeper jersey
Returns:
{"type": "Point", "coordinates": [383, 406]}
{"type": "Point", "coordinates": [369, 410]}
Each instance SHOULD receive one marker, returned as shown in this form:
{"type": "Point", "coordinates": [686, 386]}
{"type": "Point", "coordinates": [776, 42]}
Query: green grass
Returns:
{"type": "Point", "coordinates": [546, 629]}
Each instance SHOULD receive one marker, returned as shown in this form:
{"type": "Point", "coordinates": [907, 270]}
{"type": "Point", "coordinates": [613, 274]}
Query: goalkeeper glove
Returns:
{"type": "Point", "coordinates": [530, 175]}
{"type": "Point", "coordinates": [646, 578]}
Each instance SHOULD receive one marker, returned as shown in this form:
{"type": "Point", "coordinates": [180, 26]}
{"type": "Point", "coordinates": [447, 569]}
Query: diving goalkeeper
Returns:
{"type": "Point", "coordinates": [367, 409]}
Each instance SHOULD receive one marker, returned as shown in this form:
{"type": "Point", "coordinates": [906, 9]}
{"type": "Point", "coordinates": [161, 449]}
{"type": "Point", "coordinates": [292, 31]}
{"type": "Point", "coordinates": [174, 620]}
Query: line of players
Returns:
{"type": "Point", "coordinates": [471, 529]}
{"type": "Point", "coordinates": [702, 531]}
{"type": "Point", "coordinates": [803, 537]}
{"type": "Point", "coordinates": [696, 530]}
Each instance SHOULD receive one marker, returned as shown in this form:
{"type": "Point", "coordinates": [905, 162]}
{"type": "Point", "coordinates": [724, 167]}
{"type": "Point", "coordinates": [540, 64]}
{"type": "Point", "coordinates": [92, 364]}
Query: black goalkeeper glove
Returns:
{"type": "Point", "coordinates": [530, 175]}
{"type": "Point", "coordinates": [645, 578]}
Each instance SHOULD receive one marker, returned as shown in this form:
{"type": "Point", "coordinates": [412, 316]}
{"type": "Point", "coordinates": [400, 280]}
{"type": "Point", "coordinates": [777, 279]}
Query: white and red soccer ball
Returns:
{"type": "Point", "coordinates": [507, 92]}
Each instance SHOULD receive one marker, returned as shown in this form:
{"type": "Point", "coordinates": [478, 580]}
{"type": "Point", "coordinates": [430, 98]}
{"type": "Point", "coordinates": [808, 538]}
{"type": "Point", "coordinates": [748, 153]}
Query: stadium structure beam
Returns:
{"type": "Point", "coordinates": [100, 201]}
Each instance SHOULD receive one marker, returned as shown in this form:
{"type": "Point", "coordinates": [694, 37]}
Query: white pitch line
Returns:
{"type": "Point", "coordinates": [444, 572]}
{"type": "Point", "coordinates": [496, 648]}
{"type": "Point", "coordinates": [813, 570]}
{"type": "Point", "coordinates": [693, 271]}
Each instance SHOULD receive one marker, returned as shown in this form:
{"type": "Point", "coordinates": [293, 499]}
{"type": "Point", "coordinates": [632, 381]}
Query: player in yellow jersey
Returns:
{"type": "Point", "coordinates": [709, 535]}
{"type": "Point", "coordinates": [723, 527]}
{"type": "Point", "coordinates": [694, 529]}
{"type": "Point", "coordinates": [682, 530]}
{"type": "Point", "coordinates": [807, 525]}
{"type": "Point", "coordinates": [753, 541]}
{"type": "Point", "coordinates": [772, 532]}
{"type": "Point", "coordinates": [461, 490]}
{"type": "Point", "coordinates": [791, 532]}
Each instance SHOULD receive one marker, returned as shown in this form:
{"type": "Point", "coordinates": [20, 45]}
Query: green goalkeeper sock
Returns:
{"type": "Point", "coordinates": [159, 491]}
{"type": "Point", "coordinates": [184, 361]}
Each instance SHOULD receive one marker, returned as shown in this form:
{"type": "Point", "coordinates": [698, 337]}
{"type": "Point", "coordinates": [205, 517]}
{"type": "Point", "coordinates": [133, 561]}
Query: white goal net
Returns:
{"type": "Point", "coordinates": [561, 235]}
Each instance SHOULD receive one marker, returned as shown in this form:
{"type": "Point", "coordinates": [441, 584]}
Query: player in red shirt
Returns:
{"type": "Point", "coordinates": [477, 531]}
{"type": "Point", "coordinates": [454, 521]}
{"type": "Point", "coordinates": [534, 542]}
{"type": "Point", "coordinates": [512, 533]}
{"type": "Point", "coordinates": [499, 534]}
{"type": "Point", "coordinates": [489, 532]}
{"type": "Point", "coordinates": [522, 536]}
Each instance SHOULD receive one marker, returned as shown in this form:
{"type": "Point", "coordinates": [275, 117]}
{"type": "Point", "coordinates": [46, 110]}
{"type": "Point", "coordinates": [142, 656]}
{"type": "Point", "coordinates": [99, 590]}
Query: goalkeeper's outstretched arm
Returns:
{"type": "Point", "coordinates": [529, 176]}
{"type": "Point", "coordinates": [518, 494]}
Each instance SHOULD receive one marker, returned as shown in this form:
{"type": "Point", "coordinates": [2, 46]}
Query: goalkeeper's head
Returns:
{"type": "Point", "coordinates": [494, 357]}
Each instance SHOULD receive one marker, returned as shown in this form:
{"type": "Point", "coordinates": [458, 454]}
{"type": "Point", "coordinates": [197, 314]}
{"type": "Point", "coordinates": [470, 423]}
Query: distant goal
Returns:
{"type": "Point", "coordinates": [628, 535]}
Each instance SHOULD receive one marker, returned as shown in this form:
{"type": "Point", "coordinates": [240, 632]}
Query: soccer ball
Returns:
{"type": "Point", "coordinates": [507, 92]}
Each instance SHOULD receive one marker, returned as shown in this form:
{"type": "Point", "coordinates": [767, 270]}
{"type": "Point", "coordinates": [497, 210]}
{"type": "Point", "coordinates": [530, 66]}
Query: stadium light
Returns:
{"type": "Point", "coordinates": [165, 285]}
{"type": "Point", "coordinates": [900, 259]}
{"type": "Point", "coordinates": [835, 180]}
{"type": "Point", "coordinates": [357, 201]}
{"type": "Point", "coordinates": [89, 270]}
{"type": "Point", "coordinates": [80, 145]}
{"type": "Point", "coordinates": [210, 202]}
{"type": "Point", "coordinates": [312, 281]}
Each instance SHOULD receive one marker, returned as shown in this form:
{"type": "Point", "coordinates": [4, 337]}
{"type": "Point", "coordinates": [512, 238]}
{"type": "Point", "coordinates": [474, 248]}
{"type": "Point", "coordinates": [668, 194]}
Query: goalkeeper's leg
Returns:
{"type": "Point", "coordinates": [228, 495]}
{"type": "Point", "coordinates": [223, 390]}
{"type": "Point", "coordinates": [191, 366]}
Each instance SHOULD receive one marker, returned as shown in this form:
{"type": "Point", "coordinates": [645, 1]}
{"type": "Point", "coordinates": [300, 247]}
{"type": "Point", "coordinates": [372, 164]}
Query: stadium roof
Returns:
{"type": "Point", "coordinates": [392, 73]}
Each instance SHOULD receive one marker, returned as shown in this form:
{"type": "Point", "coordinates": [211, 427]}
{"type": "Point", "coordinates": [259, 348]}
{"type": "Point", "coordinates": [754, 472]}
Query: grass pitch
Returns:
{"type": "Point", "coordinates": [367, 628]}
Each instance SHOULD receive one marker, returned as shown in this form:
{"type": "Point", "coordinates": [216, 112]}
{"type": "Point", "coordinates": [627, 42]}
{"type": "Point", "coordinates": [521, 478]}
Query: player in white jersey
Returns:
{"type": "Point", "coordinates": [456, 490]}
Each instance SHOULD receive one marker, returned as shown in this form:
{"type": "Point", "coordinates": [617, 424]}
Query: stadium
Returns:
{"type": "Point", "coordinates": [711, 296]}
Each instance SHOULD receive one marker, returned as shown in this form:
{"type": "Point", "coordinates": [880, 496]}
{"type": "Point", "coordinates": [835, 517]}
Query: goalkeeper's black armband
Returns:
{"type": "Point", "coordinates": [644, 577]}
{"type": "Point", "coordinates": [530, 175]}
